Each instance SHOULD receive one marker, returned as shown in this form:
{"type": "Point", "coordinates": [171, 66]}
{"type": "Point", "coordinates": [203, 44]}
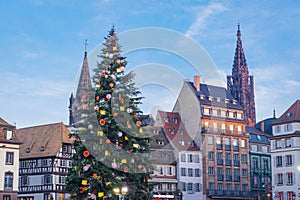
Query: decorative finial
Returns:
{"type": "Point", "coordinates": [238, 31]}
{"type": "Point", "coordinates": [274, 113]}
{"type": "Point", "coordinates": [85, 44]}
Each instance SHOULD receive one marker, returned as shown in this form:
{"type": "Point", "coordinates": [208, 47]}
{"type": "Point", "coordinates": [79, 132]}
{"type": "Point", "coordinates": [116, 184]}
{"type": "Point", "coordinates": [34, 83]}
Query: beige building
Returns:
{"type": "Point", "coordinates": [9, 161]}
{"type": "Point", "coordinates": [45, 157]}
{"type": "Point", "coordinates": [216, 122]}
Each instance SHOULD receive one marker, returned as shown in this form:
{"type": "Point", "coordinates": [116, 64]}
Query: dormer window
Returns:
{"type": "Point", "coordinates": [155, 132]}
{"type": "Point", "coordinates": [160, 142]}
{"type": "Point", "coordinates": [175, 120]}
{"type": "Point", "coordinates": [28, 150]}
{"type": "Point", "coordinates": [288, 114]}
{"type": "Point", "coordinates": [42, 148]}
{"type": "Point", "coordinates": [202, 96]}
{"type": "Point", "coordinates": [171, 130]}
{"type": "Point", "coordinates": [226, 100]}
{"type": "Point", "coordinates": [180, 131]}
{"type": "Point", "coordinates": [234, 102]}
{"type": "Point", "coordinates": [166, 118]}
{"type": "Point", "coordinates": [8, 134]}
{"type": "Point", "coordinates": [210, 98]}
{"type": "Point", "coordinates": [218, 99]}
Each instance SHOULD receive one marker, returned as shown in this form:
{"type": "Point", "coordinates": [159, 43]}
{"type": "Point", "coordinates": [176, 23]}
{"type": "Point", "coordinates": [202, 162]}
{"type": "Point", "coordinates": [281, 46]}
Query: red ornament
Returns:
{"type": "Point", "coordinates": [105, 99]}
{"type": "Point", "coordinates": [86, 153]}
{"type": "Point", "coordinates": [138, 123]}
{"type": "Point", "coordinates": [126, 169]}
{"type": "Point", "coordinates": [102, 74]}
{"type": "Point", "coordinates": [102, 122]}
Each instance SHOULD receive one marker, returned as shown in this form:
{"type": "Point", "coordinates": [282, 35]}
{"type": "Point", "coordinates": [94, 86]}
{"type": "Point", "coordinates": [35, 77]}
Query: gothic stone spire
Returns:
{"type": "Point", "coordinates": [81, 96]}
{"type": "Point", "coordinates": [240, 84]}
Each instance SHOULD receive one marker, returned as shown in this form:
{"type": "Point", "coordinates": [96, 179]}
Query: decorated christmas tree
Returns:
{"type": "Point", "coordinates": [111, 159]}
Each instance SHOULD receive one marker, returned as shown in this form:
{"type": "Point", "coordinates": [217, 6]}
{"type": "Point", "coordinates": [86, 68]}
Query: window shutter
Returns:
{"type": "Point", "coordinates": [284, 178]}
{"type": "Point", "coordinates": [42, 180]}
{"type": "Point", "coordinates": [294, 178]}
{"type": "Point", "coordinates": [292, 142]}
{"type": "Point", "coordinates": [274, 161]}
{"type": "Point", "coordinates": [28, 180]}
{"type": "Point", "coordinates": [293, 159]}
{"type": "Point", "coordinates": [274, 180]}
{"type": "Point", "coordinates": [283, 160]}
{"type": "Point", "coordinates": [282, 143]}
{"type": "Point", "coordinates": [273, 144]}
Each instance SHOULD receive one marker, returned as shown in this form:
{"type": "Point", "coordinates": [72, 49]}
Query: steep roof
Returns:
{"type": "Point", "coordinates": [220, 96]}
{"type": "Point", "coordinates": [292, 114]}
{"type": "Point", "coordinates": [4, 125]}
{"type": "Point", "coordinates": [49, 137]}
{"type": "Point", "coordinates": [161, 151]}
{"type": "Point", "coordinates": [176, 132]}
{"type": "Point", "coordinates": [257, 136]}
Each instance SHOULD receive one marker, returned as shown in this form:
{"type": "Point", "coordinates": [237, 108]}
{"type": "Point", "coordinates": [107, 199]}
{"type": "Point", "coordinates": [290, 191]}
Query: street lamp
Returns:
{"type": "Point", "coordinates": [121, 192]}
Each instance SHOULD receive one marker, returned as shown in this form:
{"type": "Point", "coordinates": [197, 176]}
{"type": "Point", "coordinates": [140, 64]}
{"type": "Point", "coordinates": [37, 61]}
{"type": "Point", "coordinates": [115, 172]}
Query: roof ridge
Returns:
{"type": "Point", "coordinates": [40, 125]}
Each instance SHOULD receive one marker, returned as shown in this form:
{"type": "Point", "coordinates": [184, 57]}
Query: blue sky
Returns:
{"type": "Point", "coordinates": [42, 48]}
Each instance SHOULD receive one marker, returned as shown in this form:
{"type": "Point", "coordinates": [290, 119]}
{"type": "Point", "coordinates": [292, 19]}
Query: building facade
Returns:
{"type": "Point", "coordinates": [260, 164]}
{"type": "Point", "coordinates": [222, 138]}
{"type": "Point", "coordinates": [9, 161]}
{"type": "Point", "coordinates": [187, 154]}
{"type": "Point", "coordinates": [240, 84]}
{"type": "Point", "coordinates": [285, 154]}
{"type": "Point", "coordinates": [164, 175]}
{"type": "Point", "coordinates": [45, 157]}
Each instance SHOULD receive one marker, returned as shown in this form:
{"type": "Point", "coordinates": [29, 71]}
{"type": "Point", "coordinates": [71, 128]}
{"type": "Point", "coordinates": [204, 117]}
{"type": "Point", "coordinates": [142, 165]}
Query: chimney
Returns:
{"type": "Point", "coordinates": [197, 83]}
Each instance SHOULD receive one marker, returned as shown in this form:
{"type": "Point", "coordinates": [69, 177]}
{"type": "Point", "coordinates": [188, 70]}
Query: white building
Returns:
{"type": "Point", "coordinates": [9, 161]}
{"type": "Point", "coordinates": [45, 157]}
{"type": "Point", "coordinates": [285, 153]}
{"type": "Point", "coordinates": [187, 154]}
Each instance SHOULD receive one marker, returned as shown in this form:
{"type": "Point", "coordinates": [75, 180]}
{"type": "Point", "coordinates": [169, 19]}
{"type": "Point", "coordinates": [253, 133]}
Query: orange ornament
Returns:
{"type": "Point", "coordinates": [111, 85]}
{"type": "Point", "coordinates": [138, 123]}
{"type": "Point", "coordinates": [134, 116]}
{"type": "Point", "coordinates": [107, 141]}
{"type": "Point", "coordinates": [97, 98]}
{"type": "Point", "coordinates": [95, 175]}
{"type": "Point", "coordinates": [140, 166]}
{"type": "Point", "coordinates": [115, 114]}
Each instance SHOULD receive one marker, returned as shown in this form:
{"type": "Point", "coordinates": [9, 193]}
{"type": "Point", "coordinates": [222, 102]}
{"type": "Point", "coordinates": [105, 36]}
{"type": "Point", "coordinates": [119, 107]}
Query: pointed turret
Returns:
{"type": "Point", "coordinates": [81, 96]}
{"type": "Point", "coordinates": [240, 84]}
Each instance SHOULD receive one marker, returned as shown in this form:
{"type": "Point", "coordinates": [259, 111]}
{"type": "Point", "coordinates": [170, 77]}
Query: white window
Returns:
{"type": "Point", "coordinates": [206, 111]}
{"type": "Point", "coordinates": [183, 186]}
{"type": "Point", "coordinates": [183, 171]}
{"type": "Point", "coordinates": [278, 129]}
{"type": "Point", "coordinates": [235, 142]}
{"type": "Point", "coordinates": [210, 170]}
{"type": "Point", "coordinates": [230, 114]}
{"type": "Point", "coordinates": [264, 149]}
{"type": "Point", "coordinates": [210, 139]}
{"type": "Point", "coordinates": [289, 142]}
{"type": "Point", "coordinates": [190, 188]}
{"type": "Point", "coordinates": [197, 187]}
{"type": "Point", "coordinates": [223, 113]}
{"type": "Point", "coordinates": [9, 158]}
{"type": "Point", "coordinates": [243, 143]}
{"type": "Point", "coordinates": [197, 172]}
{"type": "Point", "coordinates": [190, 172]}
{"type": "Point", "coordinates": [231, 128]}
{"type": "Point", "coordinates": [61, 179]}
{"type": "Point", "coordinates": [239, 115]}
{"type": "Point", "coordinates": [8, 134]}
{"type": "Point", "coordinates": [196, 158]}
{"type": "Point", "coordinates": [254, 147]}
{"type": "Point", "coordinates": [183, 158]}
{"type": "Point", "coordinates": [240, 129]}
{"type": "Point", "coordinates": [215, 112]}
{"type": "Point", "coordinates": [206, 124]}
{"type": "Point", "coordinates": [190, 158]}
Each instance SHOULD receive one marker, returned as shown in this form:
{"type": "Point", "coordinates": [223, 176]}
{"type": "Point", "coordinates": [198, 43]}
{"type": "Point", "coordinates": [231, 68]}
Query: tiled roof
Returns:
{"type": "Point", "coordinates": [218, 94]}
{"type": "Point", "coordinates": [161, 150]}
{"type": "Point", "coordinates": [292, 114]}
{"type": "Point", "coordinates": [175, 131]}
{"type": "Point", "coordinates": [257, 136]}
{"type": "Point", "coordinates": [49, 137]}
{"type": "Point", "coordinates": [3, 126]}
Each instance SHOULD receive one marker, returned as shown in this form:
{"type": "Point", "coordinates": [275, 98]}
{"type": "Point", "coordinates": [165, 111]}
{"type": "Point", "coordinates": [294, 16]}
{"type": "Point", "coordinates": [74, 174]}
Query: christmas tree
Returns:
{"type": "Point", "coordinates": [111, 159]}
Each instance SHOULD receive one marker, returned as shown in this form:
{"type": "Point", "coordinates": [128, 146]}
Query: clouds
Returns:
{"type": "Point", "coordinates": [203, 13]}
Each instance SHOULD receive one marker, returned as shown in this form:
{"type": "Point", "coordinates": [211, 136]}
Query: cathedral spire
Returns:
{"type": "Point", "coordinates": [78, 101]}
{"type": "Point", "coordinates": [240, 84]}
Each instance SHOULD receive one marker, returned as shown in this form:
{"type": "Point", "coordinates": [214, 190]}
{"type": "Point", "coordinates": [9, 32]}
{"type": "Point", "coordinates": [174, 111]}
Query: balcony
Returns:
{"type": "Point", "coordinates": [219, 161]}
{"type": "Point", "coordinates": [221, 131]}
{"type": "Point", "coordinates": [228, 193]}
{"type": "Point", "coordinates": [220, 177]}
{"type": "Point", "coordinates": [237, 178]}
{"type": "Point", "coordinates": [236, 163]}
{"type": "Point", "coordinates": [228, 177]}
{"type": "Point", "coordinates": [228, 162]}
{"type": "Point", "coordinates": [227, 147]}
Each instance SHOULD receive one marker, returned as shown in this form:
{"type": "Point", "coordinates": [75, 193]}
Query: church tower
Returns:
{"type": "Point", "coordinates": [79, 100]}
{"type": "Point", "coordinates": [240, 84]}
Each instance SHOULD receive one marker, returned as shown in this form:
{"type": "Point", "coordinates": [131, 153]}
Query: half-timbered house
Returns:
{"type": "Point", "coordinates": [45, 157]}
